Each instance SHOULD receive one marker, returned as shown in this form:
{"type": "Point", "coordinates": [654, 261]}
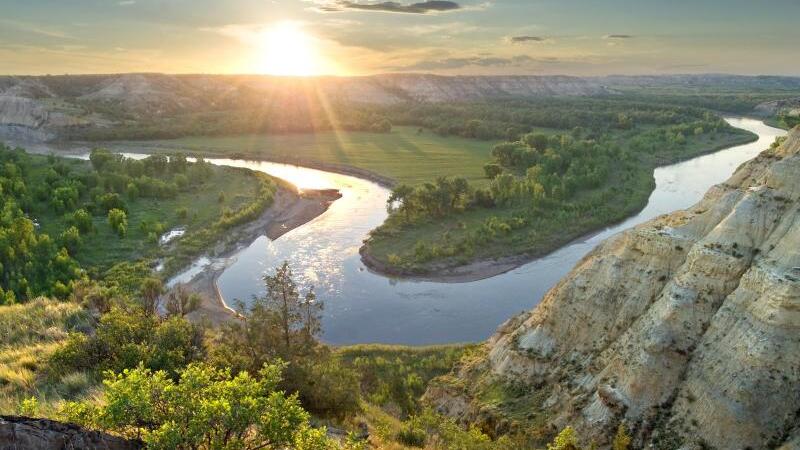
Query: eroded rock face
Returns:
{"type": "Point", "coordinates": [686, 327]}
{"type": "Point", "coordinates": [18, 433]}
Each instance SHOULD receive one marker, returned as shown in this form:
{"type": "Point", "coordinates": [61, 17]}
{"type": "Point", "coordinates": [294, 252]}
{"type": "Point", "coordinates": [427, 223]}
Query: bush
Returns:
{"type": "Point", "coordinates": [412, 433]}
{"type": "Point", "coordinates": [82, 220]}
{"type": "Point", "coordinates": [205, 407]}
{"type": "Point", "coordinates": [126, 338]}
{"type": "Point", "coordinates": [118, 221]}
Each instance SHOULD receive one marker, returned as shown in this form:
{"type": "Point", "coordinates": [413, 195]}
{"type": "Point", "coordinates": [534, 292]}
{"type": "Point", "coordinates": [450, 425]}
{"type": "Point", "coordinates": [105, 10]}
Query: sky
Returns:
{"type": "Point", "coordinates": [362, 37]}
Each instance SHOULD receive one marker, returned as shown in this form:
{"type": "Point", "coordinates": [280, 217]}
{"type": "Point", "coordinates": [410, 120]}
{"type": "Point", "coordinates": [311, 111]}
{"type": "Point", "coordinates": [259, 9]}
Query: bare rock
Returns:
{"type": "Point", "coordinates": [686, 327]}
{"type": "Point", "coordinates": [18, 433]}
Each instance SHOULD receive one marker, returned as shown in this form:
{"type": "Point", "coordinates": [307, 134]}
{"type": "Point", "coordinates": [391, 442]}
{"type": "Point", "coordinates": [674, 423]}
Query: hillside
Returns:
{"type": "Point", "coordinates": [38, 108]}
{"type": "Point", "coordinates": [684, 328]}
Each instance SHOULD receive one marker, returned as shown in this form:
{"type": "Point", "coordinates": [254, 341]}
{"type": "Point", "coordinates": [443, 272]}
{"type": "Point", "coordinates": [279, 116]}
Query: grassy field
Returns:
{"type": "Point", "coordinates": [404, 154]}
{"type": "Point", "coordinates": [29, 333]}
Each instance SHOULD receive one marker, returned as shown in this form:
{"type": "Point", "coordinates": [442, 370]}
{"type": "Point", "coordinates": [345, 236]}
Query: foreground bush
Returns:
{"type": "Point", "coordinates": [206, 408]}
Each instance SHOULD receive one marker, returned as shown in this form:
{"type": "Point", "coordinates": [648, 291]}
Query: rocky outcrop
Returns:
{"type": "Point", "coordinates": [18, 433]}
{"type": "Point", "coordinates": [789, 107]}
{"type": "Point", "coordinates": [687, 328]}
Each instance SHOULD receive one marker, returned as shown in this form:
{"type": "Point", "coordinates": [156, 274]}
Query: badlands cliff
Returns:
{"type": "Point", "coordinates": [686, 328]}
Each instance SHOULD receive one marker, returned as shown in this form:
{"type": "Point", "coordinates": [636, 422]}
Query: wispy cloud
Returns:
{"type": "Point", "coordinates": [474, 61]}
{"type": "Point", "coordinates": [530, 40]}
{"type": "Point", "coordinates": [425, 7]}
{"type": "Point", "coordinates": [618, 36]}
{"type": "Point", "coordinates": [36, 29]}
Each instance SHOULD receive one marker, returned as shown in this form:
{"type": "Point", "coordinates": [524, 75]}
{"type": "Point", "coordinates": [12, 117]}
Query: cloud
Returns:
{"type": "Point", "coordinates": [618, 36]}
{"type": "Point", "coordinates": [475, 61]}
{"type": "Point", "coordinates": [36, 29]}
{"type": "Point", "coordinates": [127, 2]}
{"type": "Point", "coordinates": [425, 7]}
{"type": "Point", "coordinates": [529, 39]}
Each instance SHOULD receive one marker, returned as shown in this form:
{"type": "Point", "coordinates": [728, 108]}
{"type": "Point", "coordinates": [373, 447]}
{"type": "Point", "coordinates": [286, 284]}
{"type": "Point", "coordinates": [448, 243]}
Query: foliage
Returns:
{"type": "Point", "coordinates": [622, 440]}
{"type": "Point", "coordinates": [42, 198]}
{"type": "Point", "coordinates": [283, 324]}
{"type": "Point", "coordinates": [31, 262]}
{"type": "Point", "coordinates": [544, 188]}
{"type": "Point", "coordinates": [434, 431]}
{"type": "Point", "coordinates": [118, 221]}
{"type": "Point", "coordinates": [395, 377]}
{"type": "Point", "coordinates": [566, 440]}
{"type": "Point", "coordinates": [127, 337]}
{"type": "Point", "coordinates": [29, 333]}
{"type": "Point", "coordinates": [205, 408]}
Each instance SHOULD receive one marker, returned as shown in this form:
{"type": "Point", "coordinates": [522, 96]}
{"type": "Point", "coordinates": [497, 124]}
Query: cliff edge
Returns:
{"type": "Point", "coordinates": [685, 328]}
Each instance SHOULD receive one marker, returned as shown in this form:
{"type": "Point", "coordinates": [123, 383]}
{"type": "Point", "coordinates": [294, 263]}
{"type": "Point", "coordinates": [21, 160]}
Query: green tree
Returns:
{"type": "Point", "coordinates": [82, 220]}
{"type": "Point", "coordinates": [118, 221]}
{"type": "Point", "coordinates": [622, 440]}
{"type": "Point", "coordinates": [206, 408]}
{"type": "Point", "coordinates": [283, 324]}
{"type": "Point", "coordinates": [492, 170]}
{"type": "Point", "coordinates": [566, 440]}
{"type": "Point", "coordinates": [150, 294]}
{"type": "Point", "coordinates": [71, 239]}
{"type": "Point", "coordinates": [284, 299]}
{"type": "Point", "coordinates": [181, 302]}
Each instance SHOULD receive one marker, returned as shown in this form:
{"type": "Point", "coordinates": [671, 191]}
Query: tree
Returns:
{"type": "Point", "coordinates": [492, 170]}
{"type": "Point", "coordinates": [82, 220]}
{"type": "Point", "coordinates": [205, 408]}
{"type": "Point", "coordinates": [382, 126]}
{"type": "Point", "coordinates": [181, 302]}
{"type": "Point", "coordinates": [150, 293]}
{"type": "Point", "coordinates": [323, 384]}
{"type": "Point", "coordinates": [284, 299]}
{"type": "Point", "coordinates": [71, 239]}
{"type": "Point", "coordinates": [566, 440]}
{"type": "Point", "coordinates": [399, 199]}
{"type": "Point", "coordinates": [118, 221]}
{"type": "Point", "coordinates": [622, 440]}
{"type": "Point", "coordinates": [312, 311]}
{"type": "Point", "coordinates": [536, 140]}
{"type": "Point", "coordinates": [102, 159]}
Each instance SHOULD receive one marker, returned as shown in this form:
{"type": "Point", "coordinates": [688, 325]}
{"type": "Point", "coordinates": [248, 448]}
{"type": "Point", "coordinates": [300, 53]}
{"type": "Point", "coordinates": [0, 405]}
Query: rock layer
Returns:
{"type": "Point", "coordinates": [687, 328]}
{"type": "Point", "coordinates": [17, 433]}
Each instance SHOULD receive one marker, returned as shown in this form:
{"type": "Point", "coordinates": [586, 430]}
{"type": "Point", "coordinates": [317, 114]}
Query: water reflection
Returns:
{"type": "Point", "coordinates": [363, 307]}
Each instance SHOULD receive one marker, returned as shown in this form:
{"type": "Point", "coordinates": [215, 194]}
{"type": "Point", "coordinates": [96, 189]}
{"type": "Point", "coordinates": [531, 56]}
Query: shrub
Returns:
{"type": "Point", "coordinates": [118, 221]}
{"type": "Point", "coordinates": [205, 407]}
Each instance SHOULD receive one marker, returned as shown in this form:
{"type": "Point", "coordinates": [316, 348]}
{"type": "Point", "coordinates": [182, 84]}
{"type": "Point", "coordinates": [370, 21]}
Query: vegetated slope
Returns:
{"type": "Point", "coordinates": [43, 107]}
{"type": "Point", "coordinates": [685, 328]}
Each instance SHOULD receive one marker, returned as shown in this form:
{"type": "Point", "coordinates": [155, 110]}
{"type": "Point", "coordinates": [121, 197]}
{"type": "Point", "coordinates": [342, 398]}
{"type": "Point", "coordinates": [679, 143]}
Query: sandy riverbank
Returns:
{"type": "Point", "coordinates": [289, 211]}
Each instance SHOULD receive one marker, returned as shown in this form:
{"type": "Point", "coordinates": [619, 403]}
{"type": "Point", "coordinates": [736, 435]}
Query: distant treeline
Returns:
{"type": "Point", "coordinates": [485, 120]}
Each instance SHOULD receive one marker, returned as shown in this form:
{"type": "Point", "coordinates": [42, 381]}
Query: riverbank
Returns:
{"type": "Point", "coordinates": [289, 211]}
{"type": "Point", "coordinates": [480, 268]}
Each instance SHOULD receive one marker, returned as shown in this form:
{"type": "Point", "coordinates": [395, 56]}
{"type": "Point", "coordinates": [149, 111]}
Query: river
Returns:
{"type": "Point", "coordinates": [361, 306]}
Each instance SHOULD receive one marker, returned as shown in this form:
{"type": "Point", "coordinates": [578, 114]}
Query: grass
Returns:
{"type": "Point", "coordinates": [404, 154]}
{"type": "Point", "coordinates": [29, 333]}
{"type": "Point", "coordinates": [545, 230]}
{"type": "Point", "coordinates": [103, 247]}
{"type": "Point", "coordinates": [395, 377]}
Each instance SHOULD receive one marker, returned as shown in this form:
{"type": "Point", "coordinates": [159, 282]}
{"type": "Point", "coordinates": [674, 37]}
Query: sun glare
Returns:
{"type": "Point", "coordinates": [289, 50]}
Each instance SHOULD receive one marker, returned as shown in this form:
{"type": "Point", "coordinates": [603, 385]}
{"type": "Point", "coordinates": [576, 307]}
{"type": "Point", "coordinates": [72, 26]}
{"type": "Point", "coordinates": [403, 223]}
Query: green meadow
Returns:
{"type": "Point", "coordinates": [406, 154]}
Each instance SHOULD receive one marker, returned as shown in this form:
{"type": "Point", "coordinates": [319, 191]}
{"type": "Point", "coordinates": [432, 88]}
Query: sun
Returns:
{"type": "Point", "coordinates": [286, 49]}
